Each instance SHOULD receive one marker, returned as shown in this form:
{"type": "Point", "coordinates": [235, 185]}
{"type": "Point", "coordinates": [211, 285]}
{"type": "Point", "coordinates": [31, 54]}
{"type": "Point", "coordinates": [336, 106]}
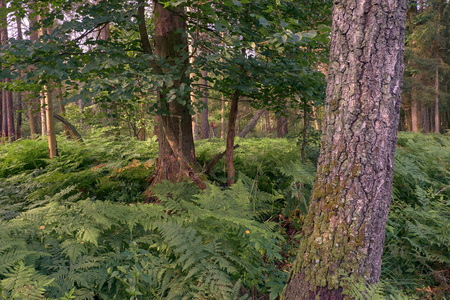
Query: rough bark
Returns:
{"type": "Point", "coordinates": [231, 132]}
{"type": "Point", "coordinates": [204, 123]}
{"type": "Point", "coordinates": [344, 230]}
{"type": "Point", "coordinates": [252, 123]}
{"type": "Point", "coordinates": [176, 158]}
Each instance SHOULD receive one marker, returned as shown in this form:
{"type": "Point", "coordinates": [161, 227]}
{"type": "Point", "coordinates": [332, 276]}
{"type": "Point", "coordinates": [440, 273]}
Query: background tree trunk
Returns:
{"type": "Point", "coordinates": [10, 113]}
{"type": "Point", "coordinates": [414, 115]}
{"type": "Point", "coordinates": [344, 230]}
{"type": "Point", "coordinates": [8, 130]}
{"type": "Point", "coordinates": [231, 132]}
{"type": "Point", "coordinates": [437, 123]}
{"type": "Point", "coordinates": [51, 135]}
{"type": "Point", "coordinates": [222, 128]}
{"type": "Point", "coordinates": [19, 94]}
{"type": "Point", "coordinates": [42, 115]}
{"type": "Point", "coordinates": [3, 118]}
{"type": "Point", "coordinates": [204, 130]}
{"type": "Point", "coordinates": [252, 123]}
{"type": "Point", "coordinates": [267, 119]}
{"type": "Point", "coordinates": [32, 108]}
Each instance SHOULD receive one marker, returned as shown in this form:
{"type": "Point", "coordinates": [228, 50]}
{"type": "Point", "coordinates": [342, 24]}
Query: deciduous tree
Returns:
{"type": "Point", "coordinates": [343, 234]}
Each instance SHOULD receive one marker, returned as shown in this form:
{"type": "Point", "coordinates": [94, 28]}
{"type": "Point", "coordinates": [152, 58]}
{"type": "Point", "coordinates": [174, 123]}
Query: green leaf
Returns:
{"type": "Point", "coordinates": [263, 22]}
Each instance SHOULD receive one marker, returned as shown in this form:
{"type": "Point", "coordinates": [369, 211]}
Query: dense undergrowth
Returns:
{"type": "Point", "coordinates": [78, 227]}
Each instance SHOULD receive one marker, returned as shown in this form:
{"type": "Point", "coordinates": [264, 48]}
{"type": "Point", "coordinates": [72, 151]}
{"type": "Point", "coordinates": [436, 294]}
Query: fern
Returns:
{"type": "Point", "coordinates": [24, 281]}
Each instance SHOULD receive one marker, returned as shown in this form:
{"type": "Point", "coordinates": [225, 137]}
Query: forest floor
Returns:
{"type": "Point", "coordinates": [79, 226]}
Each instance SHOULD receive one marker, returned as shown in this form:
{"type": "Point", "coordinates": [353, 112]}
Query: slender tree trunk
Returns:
{"type": "Point", "coordinates": [195, 127]}
{"type": "Point", "coordinates": [32, 108]}
{"type": "Point", "coordinates": [267, 119]}
{"type": "Point", "coordinates": [414, 116]}
{"type": "Point", "coordinates": [19, 94]}
{"type": "Point", "coordinates": [62, 110]}
{"type": "Point", "coordinates": [281, 126]}
{"type": "Point", "coordinates": [231, 132]}
{"type": "Point", "coordinates": [8, 130]}
{"type": "Point", "coordinates": [305, 131]}
{"type": "Point", "coordinates": [142, 124]}
{"type": "Point", "coordinates": [437, 125]}
{"type": "Point", "coordinates": [425, 118]}
{"type": "Point", "coordinates": [252, 123]}
{"type": "Point", "coordinates": [43, 117]}
{"type": "Point", "coordinates": [316, 118]}
{"type": "Point", "coordinates": [222, 129]}
{"type": "Point", "coordinates": [4, 116]}
{"type": "Point", "coordinates": [33, 103]}
{"type": "Point", "coordinates": [176, 157]}
{"type": "Point", "coordinates": [285, 126]}
{"type": "Point", "coordinates": [10, 113]}
{"type": "Point", "coordinates": [204, 130]}
{"type": "Point", "coordinates": [71, 129]}
{"type": "Point", "coordinates": [50, 122]}
{"type": "Point", "coordinates": [343, 234]}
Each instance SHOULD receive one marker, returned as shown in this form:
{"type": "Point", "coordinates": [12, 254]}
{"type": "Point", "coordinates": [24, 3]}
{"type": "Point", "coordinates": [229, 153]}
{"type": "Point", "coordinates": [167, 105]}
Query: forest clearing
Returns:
{"type": "Point", "coordinates": [187, 149]}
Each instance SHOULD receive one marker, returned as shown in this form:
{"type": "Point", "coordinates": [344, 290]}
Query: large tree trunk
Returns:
{"type": "Point", "coordinates": [176, 157]}
{"type": "Point", "coordinates": [343, 235]}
